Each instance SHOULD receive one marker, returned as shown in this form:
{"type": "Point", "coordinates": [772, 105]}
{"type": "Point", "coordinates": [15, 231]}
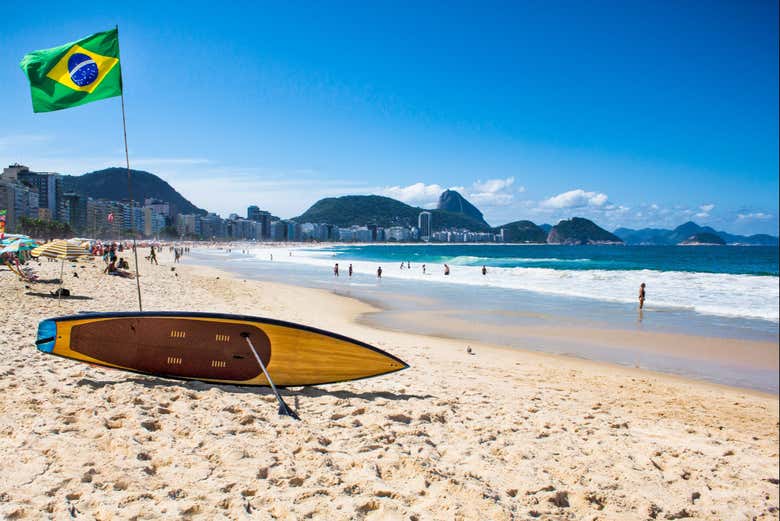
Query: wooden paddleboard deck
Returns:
{"type": "Point", "coordinates": [213, 348]}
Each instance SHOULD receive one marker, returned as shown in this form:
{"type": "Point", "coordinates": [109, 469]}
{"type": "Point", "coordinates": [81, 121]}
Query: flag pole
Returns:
{"type": "Point", "coordinates": [129, 185]}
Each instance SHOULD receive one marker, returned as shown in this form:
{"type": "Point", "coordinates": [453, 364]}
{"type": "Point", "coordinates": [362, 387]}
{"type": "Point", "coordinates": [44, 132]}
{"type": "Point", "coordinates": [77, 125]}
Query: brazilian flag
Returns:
{"type": "Point", "coordinates": [75, 73]}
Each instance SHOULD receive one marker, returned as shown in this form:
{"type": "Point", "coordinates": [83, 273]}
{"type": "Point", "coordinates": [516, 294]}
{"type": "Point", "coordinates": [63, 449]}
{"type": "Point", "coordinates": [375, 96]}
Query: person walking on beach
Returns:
{"type": "Point", "coordinates": [446, 270]}
{"type": "Point", "coordinates": [336, 270]}
{"type": "Point", "coordinates": [423, 269]}
{"type": "Point", "coordinates": [402, 265]}
{"type": "Point", "coordinates": [379, 272]}
{"type": "Point", "coordinates": [408, 264]}
{"type": "Point", "coordinates": [484, 270]}
{"type": "Point", "coordinates": [152, 256]}
{"type": "Point", "coordinates": [350, 270]}
{"type": "Point", "coordinates": [642, 295]}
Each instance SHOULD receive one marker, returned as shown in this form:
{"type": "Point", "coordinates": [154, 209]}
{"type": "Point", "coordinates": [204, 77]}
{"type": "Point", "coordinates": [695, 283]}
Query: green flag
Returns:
{"type": "Point", "coordinates": [75, 73]}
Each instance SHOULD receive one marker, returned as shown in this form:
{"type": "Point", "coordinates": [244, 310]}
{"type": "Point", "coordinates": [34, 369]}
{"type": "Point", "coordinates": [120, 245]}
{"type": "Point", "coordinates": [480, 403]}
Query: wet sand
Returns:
{"type": "Point", "coordinates": [500, 434]}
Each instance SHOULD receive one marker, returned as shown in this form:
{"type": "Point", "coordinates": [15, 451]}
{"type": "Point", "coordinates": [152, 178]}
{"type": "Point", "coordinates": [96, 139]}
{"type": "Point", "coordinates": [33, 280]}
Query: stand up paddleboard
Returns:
{"type": "Point", "coordinates": [222, 349]}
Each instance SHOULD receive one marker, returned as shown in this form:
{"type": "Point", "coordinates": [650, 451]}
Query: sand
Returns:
{"type": "Point", "coordinates": [500, 434]}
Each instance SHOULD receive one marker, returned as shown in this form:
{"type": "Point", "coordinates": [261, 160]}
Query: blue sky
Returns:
{"type": "Point", "coordinates": [631, 113]}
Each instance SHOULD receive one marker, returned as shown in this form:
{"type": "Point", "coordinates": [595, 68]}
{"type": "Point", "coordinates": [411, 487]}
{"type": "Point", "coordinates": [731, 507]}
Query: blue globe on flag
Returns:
{"type": "Point", "coordinates": [83, 69]}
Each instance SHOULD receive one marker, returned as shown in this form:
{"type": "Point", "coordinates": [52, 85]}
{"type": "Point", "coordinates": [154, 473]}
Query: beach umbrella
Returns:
{"type": "Point", "coordinates": [19, 245]}
{"type": "Point", "coordinates": [59, 249]}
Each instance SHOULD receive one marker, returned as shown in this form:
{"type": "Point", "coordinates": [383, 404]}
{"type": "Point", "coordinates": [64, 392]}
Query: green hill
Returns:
{"type": "Point", "coordinates": [523, 231]}
{"type": "Point", "coordinates": [382, 211]}
{"type": "Point", "coordinates": [111, 183]}
{"type": "Point", "coordinates": [580, 231]}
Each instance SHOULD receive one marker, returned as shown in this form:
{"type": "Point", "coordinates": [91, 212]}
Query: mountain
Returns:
{"type": "Point", "coordinates": [703, 238]}
{"type": "Point", "coordinates": [111, 183]}
{"type": "Point", "coordinates": [655, 236]}
{"type": "Point", "coordinates": [546, 227]}
{"type": "Point", "coordinates": [452, 201]}
{"type": "Point", "coordinates": [523, 231]}
{"type": "Point", "coordinates": [658, 236]}
{"type": "Point", "coordinates": [580, 231]}
{"type": "Point", "coordinates": [382, 211]}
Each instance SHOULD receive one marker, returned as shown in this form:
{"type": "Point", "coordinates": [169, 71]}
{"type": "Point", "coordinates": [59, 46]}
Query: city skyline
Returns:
{"type": "Point", "coordinates": [527, 124]}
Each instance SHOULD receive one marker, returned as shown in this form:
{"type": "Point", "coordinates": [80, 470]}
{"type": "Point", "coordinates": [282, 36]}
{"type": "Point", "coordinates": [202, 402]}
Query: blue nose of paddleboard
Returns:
{"type": "Point", "coordinates": [47, 335]}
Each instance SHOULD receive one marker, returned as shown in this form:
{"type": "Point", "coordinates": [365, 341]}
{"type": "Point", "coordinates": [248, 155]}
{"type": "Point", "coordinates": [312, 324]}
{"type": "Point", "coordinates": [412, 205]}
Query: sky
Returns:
{"type": "Point", "coordinates": [636, 114]}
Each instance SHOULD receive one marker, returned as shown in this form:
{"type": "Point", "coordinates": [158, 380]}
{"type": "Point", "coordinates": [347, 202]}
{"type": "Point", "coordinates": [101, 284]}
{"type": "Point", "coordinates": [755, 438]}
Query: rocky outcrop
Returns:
{"type": "Point", "coordinates": [580, 231]}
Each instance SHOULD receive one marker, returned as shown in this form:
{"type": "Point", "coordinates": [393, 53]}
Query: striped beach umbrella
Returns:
{"type": "Point", "coordinates": [59, 250]}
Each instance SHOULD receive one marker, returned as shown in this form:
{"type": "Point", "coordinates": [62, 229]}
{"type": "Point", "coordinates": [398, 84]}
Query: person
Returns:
{"type": "Point", "coordinates": [111, 268]}
{"type": "Point", "coordinates": [176, 255]}
{"type": "Point", "coordinates": [379, 272]}
{"type": "Point", "coordinates": [446, 270]}
{"type": "Point", "coordinates": [122, 264]}
{"type": "Point", "coordinates": [402, 265]}
{"type": "Point", "coordinates": [484, 270]}
{"type": "Point", "coordinates": [350, 270]}
{"type": "Point", "coordinates": [336, 269]}
{"type": "Point", "coordinates": [408, 264]}
{"type": "Point", "coordinates": [152, 255]}
{"type": "Point", "coordinates": [423, 269]}
{"type": "Point", "coordinates": [642, 295]}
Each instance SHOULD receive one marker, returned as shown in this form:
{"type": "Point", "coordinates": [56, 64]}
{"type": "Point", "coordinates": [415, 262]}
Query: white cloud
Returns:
{"type": "Point", "coordinates": [419, 194]}
{"type": "Point", "coordinates": [759, 216]}
{"type": "Point", "coordinates": [493, 192]}
{"type": "Point", "coordinates": [578, 198]}
{"type": "Point", "coordinates": [488, 193]}
{"type": "Point", "coordinates": [704, 211]}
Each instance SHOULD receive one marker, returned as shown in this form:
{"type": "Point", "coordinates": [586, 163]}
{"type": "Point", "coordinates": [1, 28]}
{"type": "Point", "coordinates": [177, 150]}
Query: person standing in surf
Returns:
{"type": "Point", "coordinates": [379, 272]}
{"type": "Point", "coordinates": [350, 270]}
{"type": "Point", "coordinates": [484, 270]}
{"type": "Point", "coordinates": [336, 270]}
{"type": "Point", "coordinates": [446, 270]}
{"type": "Point", "coordinates": [642, 295]}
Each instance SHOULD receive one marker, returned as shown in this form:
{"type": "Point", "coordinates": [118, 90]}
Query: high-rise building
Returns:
{"type": "Point", "coordinates": [264, 218]}
{"type": "Point", "coordinates": [157, 206]}
{"type": "Point", "coordinates": [73, 210]}
{"type": "Point", "coordinates": [105, 218]}
{"type": "Point", "coordinates": [18, 200]}
{"type": "Point", "coordinates": [253, 213]}
{"type": "Point", "coordinates": [188, 224]}
{"type": "Point", "coordinates": [48, 186]}
{"type": "Point", "coordinates": [153, 222]}
{"type": "Point", "coordinates": [425, 223]}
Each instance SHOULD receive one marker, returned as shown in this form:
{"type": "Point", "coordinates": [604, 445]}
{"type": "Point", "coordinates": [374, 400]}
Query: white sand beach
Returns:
{"type": "Point", "coordinates": [499, 434]}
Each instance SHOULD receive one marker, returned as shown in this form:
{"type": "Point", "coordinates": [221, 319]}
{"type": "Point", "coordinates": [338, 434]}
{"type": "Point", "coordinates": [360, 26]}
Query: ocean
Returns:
{"type": "Point", "coordinates": [718, 292]}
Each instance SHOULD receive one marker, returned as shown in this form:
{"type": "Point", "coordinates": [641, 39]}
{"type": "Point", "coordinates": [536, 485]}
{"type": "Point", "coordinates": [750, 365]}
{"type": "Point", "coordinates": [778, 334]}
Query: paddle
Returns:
{"type": "Point", "coordinates": [284, 410]}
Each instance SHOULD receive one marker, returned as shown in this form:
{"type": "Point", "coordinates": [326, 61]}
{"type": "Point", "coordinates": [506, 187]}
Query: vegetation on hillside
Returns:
{"type": "Point", "coordinates": [381, 211]}
{"type": "Point", "coordinates": [580, 231]}
{"type": "Point", "coordinates": [111, 183]}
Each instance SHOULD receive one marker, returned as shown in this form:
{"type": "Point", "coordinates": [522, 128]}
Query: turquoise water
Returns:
{"type": "Point", "coordinates": [737, 260]}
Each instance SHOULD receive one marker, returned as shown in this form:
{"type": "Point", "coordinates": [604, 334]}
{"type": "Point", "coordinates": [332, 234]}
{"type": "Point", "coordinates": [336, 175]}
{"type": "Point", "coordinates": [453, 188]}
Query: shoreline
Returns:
{"type": "Point", "coordinates": [707, 356]}
{"type": "Point", "coordinates": [500, 434]}
{"type": "Point", "coordinates": [363, 309]}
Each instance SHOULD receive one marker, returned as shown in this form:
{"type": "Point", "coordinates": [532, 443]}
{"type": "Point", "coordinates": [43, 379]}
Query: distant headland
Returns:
{"type": "Point", "coordinates": [96, 205]}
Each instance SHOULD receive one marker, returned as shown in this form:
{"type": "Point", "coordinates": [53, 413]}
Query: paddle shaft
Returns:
{"type": "Point", "coordinates": [283, 408]}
